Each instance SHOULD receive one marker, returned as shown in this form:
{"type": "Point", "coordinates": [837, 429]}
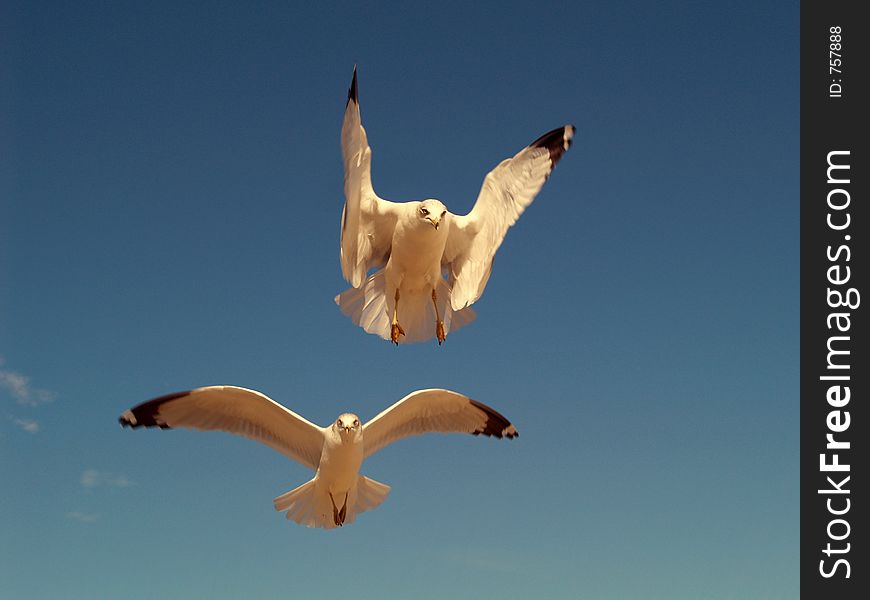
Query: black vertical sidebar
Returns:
{"type": "Point", "coordinates": [835, 368]}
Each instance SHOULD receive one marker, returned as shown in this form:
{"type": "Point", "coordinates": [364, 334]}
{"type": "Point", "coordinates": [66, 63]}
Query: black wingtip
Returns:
{"type": "Point", "coordinates": [557, 142]}
{"type": "Point", "coordinates": [496, 424]}
{"type": "Point", "coordinates": [146, 414]}
{"type": "Point", "coordinates": [352, 92]}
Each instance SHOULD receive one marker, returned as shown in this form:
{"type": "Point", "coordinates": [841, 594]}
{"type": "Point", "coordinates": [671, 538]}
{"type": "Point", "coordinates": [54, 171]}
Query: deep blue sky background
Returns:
{"type": "Point", "coordinates": [170, 196]}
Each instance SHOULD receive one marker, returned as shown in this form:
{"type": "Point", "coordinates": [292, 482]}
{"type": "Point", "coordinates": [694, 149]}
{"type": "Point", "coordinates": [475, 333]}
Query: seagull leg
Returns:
{"type": "Point", "coordinates": [396, 330]}
{"type": "Point", "coordinates": [335, 514]}
{"type": "Point", "coordinates": [439, 324]}
{"type": "Point", "coordinates": [342, 514]}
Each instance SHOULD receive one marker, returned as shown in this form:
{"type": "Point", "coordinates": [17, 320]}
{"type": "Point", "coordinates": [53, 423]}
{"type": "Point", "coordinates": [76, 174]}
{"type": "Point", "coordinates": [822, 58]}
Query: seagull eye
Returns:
{"type": "Point", "coordinates": [356, 422]}
{"type": "Point", "coordinates": [424, 212]}
{"type": "Point", "coordinates": [443, 212]}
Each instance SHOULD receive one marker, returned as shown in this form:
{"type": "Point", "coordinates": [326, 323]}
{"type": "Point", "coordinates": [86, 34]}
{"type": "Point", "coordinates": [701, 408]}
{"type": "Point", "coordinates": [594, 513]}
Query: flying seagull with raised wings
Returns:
{"type": "Point", "coordinates": [414, 243]}
{"type": "Point", "coordinates": [337, 493]}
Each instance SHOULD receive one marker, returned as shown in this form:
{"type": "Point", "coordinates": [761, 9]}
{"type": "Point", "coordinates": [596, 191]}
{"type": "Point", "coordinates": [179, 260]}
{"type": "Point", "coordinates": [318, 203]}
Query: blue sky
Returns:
{"type": "Point", "coordinates": [170, 197]}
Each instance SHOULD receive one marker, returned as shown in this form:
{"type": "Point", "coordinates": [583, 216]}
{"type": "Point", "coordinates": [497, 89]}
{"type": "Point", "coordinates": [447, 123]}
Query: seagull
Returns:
{"type": "Point", "coordinates": [414, 243]}
{"type": "Point", "coordinates": [337, 493]}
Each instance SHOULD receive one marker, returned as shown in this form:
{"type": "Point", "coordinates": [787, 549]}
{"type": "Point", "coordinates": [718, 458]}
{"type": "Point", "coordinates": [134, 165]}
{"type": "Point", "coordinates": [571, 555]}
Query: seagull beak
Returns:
{"type": "Point", "coordinates": [435, 223]}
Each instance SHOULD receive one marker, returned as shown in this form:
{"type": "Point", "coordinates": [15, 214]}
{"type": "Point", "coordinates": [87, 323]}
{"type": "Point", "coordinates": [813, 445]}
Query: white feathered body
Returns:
{"type": "Point", "coordinates": [337, 476]}
{"type": "Point", "coordinates": [339, 463]}
{"type": "Point", "coordinates": [415, 260]}
{"type": "Point", "coordinates": [414, 268]}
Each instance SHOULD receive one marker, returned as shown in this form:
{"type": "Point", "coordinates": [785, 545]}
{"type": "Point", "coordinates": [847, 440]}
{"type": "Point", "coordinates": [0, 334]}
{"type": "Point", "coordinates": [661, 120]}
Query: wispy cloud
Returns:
{"type": "Point", "coordinates": [19, 387]}
{"type": "Point", "coordinates": [28, 425]}
{"type": "Point", "coordinates": [91, 478]}
{"type": "Point", "coordinates": [82, 517]}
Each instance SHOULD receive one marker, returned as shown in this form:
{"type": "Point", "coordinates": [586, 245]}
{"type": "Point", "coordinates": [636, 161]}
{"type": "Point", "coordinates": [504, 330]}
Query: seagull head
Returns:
{"type": "Point", "coordinates": [347, 425]}
{"type": "Point", "coordinates": [431, 211]}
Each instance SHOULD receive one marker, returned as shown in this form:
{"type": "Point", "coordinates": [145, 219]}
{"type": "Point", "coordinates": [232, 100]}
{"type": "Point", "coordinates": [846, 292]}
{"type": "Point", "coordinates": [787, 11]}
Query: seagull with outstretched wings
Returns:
{"type": "Point", "coordinates": [337, 492]}
{"type": "Point", "coordinates": [412, 244]}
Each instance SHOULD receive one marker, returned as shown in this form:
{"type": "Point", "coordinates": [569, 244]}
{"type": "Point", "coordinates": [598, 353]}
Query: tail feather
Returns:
{"type": "Point", "coordinates": [369, 307]}
{"type": "Point", "coordinates": [311, 506]}
{"type": "Point", "coordinates": [370, 493]}
{"type": "Point", "coordinates": [305, 506]}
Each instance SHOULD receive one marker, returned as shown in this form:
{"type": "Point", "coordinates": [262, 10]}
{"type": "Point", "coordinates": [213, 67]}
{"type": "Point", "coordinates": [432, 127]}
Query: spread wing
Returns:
{"type": "Point", "coordinates": [234, 410]}
{"type": "Point", "coordinates": [367, 222]}
{"type": "Point", "coordinates": [507, 191]}
{"type": "Point", "coordinates": [433, 410]}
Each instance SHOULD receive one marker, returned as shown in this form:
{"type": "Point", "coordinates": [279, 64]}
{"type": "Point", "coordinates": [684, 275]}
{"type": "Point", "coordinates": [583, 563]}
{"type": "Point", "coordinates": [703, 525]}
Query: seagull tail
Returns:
{"type": "Point", "coordinates": [307, 506]}
{"type": "Point", "coordinates": [367, 494]}
{"type": "Point", "coordinates": [368, 307]}
{"type": "Point", "coordinates": [370, 493]}
{"type": "Point", "coordinates": [453, 319]}
{"type": "Point", "coordinates": [312, 507]}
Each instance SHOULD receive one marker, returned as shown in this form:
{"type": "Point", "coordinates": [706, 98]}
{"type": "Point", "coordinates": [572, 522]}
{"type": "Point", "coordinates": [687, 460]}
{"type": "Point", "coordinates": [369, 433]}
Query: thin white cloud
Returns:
{"type": "Point", "coordinates": [28, 425]}
{"type": "Point", "coordinates": [19, 387]}
{"type": "Point", "coordinates": [91, 478]}
{"type": "Point", "coordinates": [82, 517]}
{"type": "Point", "coordinates": [121, 481]}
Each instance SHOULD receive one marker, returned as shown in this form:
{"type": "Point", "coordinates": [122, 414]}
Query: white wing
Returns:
{"type": "Point", "coordinates": [507, 191]}
{"type": "Point", "coordinates": [433, 410]}
{"type": "Point", "coordinates": [234, 410]}
{"type": "Point", "coordinates": [367, 221]}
